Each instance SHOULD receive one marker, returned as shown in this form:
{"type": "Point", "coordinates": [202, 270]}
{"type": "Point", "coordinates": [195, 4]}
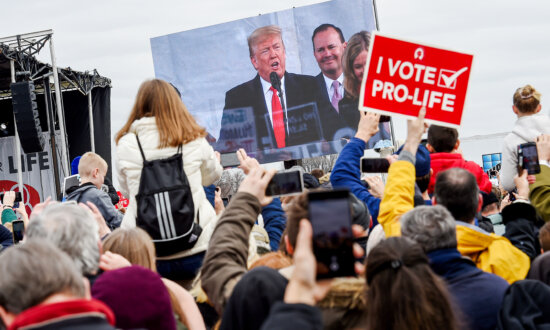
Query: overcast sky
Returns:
{"type": "Point", "coordinates": [510, 41]}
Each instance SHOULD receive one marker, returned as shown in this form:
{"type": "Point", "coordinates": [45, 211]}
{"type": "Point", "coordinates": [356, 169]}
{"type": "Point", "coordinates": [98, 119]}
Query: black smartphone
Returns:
{"type": "Point", "coordinates": [528, 158]}
{"type": "Point", "coordinates": [18, 197]}
{"type": "Point", "coordinates": [512, 197]}
{"type": "Point", "coordinates": [285, 184]}
{"type": "Point", "coordinates": [18, 229]}
{"type": "Point", "coordinates": [374, 165]}
{"type": "Point", "coordinates": [384, 119]}
{"type": "Point", "coordinates": [330, 217]}
{"type": "Point", "coordinates": [225, 201]}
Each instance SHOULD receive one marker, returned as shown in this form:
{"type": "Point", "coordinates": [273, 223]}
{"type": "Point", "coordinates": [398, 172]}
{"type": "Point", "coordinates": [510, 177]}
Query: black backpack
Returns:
{"type": "Point", "coordinates": [165, 208]}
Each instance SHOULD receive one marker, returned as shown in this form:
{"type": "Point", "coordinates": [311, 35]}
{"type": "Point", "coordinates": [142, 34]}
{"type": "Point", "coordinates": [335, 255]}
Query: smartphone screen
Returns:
{"type": "Point", "coordinates": [18, 230]}
{"type": "Point", "coordinates": [330, 216]}
{"type": "Point", "coordinates": [285, 183]}
{"type": "Point", "coordinates": [374, 165]}
{"type": "Point", "coordinates": [529, 158]}
{"type": "Point", "coordinates": [229, 160]}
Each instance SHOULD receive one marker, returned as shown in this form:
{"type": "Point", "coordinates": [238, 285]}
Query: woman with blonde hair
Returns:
{"type": "Point", "coordinates": [530, 124]}
{"type": "Point", "coordinates": [163, 124]}
{"type": "Point", "coordinates": [137, 247]}
{"type": "Point", "coordinates": [353, 63]}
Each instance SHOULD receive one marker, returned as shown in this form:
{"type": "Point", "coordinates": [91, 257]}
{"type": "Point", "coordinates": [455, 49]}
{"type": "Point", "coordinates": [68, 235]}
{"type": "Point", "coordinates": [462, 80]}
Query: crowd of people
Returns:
{"type": "Point", "coordinates": [436, 246]}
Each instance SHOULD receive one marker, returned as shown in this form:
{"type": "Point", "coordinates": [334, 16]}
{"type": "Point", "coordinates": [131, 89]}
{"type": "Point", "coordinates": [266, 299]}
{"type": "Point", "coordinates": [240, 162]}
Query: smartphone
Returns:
{"type": "Point", "coordinates": [285, 184]}
{"type": "Point", "coordinates": [512, 197]}
{"type": "Point", "coordinates": [374, 165]}
{"type": "Point", "coordinates": [229, 160]}
{"type": "Point", "coordinates": [18, 197]}
{"type": "Point", "coordinates": [18, 229]}
{"type": "Point", "coordinates": [330, 217]}
{"type": "Point", "coordinates": [225, 201]}
{"type": "Point", "coordinates": [384, 119]}
{"type": "Point", "coordinates": [528, 158]}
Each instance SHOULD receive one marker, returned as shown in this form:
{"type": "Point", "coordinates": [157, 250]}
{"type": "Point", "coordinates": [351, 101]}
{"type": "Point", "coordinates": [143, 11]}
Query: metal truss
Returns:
{"type": "Point", "coordinates": [23, 48]}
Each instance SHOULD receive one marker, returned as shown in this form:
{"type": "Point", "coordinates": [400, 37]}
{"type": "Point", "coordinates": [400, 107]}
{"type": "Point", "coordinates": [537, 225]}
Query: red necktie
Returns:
{"type": "Point", "coordinates": [278, 120]}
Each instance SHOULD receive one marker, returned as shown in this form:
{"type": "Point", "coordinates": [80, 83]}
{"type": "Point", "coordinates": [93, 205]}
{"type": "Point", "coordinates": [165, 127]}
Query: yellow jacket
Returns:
{"type": "Point", "coordinates": [491, 253]}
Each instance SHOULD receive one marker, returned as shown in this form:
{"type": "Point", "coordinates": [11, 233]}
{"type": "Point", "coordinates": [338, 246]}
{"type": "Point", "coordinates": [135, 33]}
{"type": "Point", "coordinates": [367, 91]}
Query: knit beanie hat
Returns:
{"type": "Point", "coordinates": [74, 165]}
{"type": "Point", "coordinates": [423, 160]}
{"type": "Point", "coordinates": [138, 298]}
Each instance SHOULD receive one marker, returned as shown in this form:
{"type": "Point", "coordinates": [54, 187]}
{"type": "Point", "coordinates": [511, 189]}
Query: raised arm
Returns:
{"type": "Point", "coordinates": [399, 191]}
{"type": "Point", "coordinates": [347, 172]}
{"type": "Point", "coordinates": [226, 258]}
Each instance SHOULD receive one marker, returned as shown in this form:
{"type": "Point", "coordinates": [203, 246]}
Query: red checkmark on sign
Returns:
{"type": "Point", "coordinates": [447, 78]}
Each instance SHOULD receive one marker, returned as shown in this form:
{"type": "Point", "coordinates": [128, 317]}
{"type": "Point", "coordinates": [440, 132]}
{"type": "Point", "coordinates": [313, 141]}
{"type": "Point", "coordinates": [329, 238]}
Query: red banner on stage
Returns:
{"type": "Point", "coordinates": [403, 76]}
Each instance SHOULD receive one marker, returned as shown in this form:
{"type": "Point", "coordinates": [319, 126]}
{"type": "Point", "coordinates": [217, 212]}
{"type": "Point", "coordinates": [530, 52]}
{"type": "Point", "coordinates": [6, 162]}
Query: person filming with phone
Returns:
{"type": "Point", "coordinates": [530, 124]}
{"type": "Point", "coordinates": [244, 297]}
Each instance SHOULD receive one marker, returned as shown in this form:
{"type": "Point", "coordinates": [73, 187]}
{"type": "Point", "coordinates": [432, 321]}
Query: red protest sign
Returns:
{"type": "Point", "coordinates": [402, 76]}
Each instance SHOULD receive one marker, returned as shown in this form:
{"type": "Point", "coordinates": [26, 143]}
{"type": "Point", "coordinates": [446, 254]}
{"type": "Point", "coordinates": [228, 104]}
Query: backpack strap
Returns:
{"type": "Point", "coordinates": [140, 149]}
{"type": "Point", "coordinates": [179, 149]}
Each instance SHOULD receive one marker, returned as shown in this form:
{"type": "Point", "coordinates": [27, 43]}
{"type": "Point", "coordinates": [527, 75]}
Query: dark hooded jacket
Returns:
{"type": "Point", "coordinates": [519, 219]}
{"type": "Point", "coordinates": [525, 306]}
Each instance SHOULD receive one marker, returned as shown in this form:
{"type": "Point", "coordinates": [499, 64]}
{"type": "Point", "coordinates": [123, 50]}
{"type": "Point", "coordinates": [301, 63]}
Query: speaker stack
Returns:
{"type": "Point", "coordinates": [27, 117]}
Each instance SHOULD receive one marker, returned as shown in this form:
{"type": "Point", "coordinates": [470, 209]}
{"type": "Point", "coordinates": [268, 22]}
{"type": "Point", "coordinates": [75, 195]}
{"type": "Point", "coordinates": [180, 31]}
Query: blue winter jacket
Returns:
{"type": "Point", "coordinates": [347, 174]}
{"type": "Point", "coordinates": [274, 222]}
{"type": "Point", "coordinates": [478, 294]}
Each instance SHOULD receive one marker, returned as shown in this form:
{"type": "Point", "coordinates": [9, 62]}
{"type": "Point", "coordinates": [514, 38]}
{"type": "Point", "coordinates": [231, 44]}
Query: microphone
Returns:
{"type": "Point", "coordinates": [275, 82]}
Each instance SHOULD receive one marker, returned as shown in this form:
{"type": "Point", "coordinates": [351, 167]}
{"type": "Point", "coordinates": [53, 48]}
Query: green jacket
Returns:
{"type": "Point", "coordinates": [8, 215]}
{"type": "Point", "coordinates": [540, 193]}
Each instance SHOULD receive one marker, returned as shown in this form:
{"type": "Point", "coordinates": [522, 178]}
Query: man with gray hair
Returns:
{"type": "Point", "coordinates": [72, 229]}
{"type": "Point", "coordinates": [478, 294]}
{"type": "Point", "coordinates": [268, 55]}
{"type": "Point", "coordinates": [40, 288]}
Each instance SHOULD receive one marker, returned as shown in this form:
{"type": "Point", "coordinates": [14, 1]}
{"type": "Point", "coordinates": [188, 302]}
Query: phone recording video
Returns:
{"type": "Point", "coordinates": [330, 217]}
{"type": "Point", "coordinates": [528, 158]}
{"type": "Point", "coordinates": [18, 228]}
{"type": "Point", "coordinates": [285, 184]}
{"type": "Point", "coordinates": [374, 165]}
{"type": "Point", "coordinates": [18, 197]}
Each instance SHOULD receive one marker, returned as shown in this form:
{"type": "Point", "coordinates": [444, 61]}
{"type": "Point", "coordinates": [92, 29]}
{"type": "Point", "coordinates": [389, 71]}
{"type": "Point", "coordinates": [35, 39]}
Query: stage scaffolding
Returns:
{"type": "Point", "coordinates": [21, 50]}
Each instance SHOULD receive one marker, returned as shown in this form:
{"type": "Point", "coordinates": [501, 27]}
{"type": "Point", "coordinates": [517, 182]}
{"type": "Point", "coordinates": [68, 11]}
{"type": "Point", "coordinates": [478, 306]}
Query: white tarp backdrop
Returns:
{"type": "Point", "coordinates": [37, 170]}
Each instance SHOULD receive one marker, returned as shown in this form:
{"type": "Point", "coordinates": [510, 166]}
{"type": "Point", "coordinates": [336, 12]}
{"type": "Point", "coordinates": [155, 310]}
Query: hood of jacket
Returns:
{"type": "Point", "coordinates": [492, 253]}
{"type": "Point", "coordinates": [344, 305]}
{"type": "Point", "coordinates": [525, 306]}
{"type": "Point", "coordinates": [75, 191]}
{"type": "Point", "coordinates": [529, 127]}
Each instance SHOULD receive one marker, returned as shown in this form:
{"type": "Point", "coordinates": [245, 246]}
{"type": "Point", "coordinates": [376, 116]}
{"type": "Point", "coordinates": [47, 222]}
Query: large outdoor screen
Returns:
{"type": "Point", "coordinates": [228, 86]}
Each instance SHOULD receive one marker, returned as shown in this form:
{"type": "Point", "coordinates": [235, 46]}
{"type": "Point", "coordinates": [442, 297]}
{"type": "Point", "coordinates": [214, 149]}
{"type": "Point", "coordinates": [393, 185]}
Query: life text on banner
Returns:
{"type": "Point", "coordinates": [403, 76]}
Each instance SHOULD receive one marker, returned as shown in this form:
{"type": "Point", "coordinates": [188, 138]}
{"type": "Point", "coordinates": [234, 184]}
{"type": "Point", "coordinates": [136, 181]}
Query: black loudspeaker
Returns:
{"type": "Point", "coordinates": [26, 115]}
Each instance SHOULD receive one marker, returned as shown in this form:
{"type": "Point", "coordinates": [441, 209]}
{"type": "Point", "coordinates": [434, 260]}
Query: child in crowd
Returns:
{"type": "Point", "coordinates": [93, 169]}
{"type": "Point", "coordinates": [530, 124]}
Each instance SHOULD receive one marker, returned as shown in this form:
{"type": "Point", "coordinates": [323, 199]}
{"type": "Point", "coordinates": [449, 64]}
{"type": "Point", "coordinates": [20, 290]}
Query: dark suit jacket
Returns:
{"type": "Point", "coordinates": [299, 89]}
{"type": "Point", "coordinates": [350, 115]}
{"type": "Point", "coordinates": [346, 116]}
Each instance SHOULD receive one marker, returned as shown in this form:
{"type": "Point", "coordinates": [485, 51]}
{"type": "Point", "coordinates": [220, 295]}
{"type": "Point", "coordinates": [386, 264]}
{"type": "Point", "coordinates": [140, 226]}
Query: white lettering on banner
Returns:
{"type": "Point", "coordinates": [419, 72]}
{"type": "Point", "coordinates": [400, 93]}
{"type": "Point", "coordinates": [380, 61]}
